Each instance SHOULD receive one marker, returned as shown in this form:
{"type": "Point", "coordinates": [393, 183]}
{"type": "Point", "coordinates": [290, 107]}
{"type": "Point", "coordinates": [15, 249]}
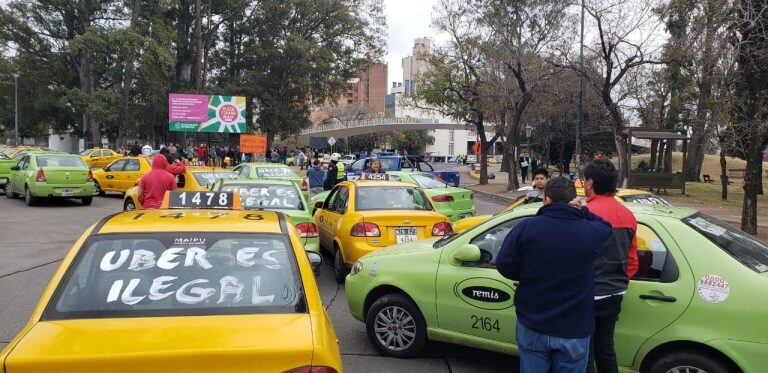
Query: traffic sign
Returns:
{"type": "Point", "coordinates": [331, 141]}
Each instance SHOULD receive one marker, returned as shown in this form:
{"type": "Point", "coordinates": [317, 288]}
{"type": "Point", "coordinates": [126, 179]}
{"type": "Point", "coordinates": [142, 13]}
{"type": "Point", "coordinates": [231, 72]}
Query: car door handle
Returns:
{"type": "Point", "coordinates": [110, 177]}
{"type": "Point", "coordinates": [661, 298]}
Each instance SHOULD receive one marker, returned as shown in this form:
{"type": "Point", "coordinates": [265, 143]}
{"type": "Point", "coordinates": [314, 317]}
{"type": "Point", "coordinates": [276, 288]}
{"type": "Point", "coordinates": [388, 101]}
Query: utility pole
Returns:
{"type": "Point", "coordinates": [580, 117]}
{"type": "Point", "coordinates": [16, 105]}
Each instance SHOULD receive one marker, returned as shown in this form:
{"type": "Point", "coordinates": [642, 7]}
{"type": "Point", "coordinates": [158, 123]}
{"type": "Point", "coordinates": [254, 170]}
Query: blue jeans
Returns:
{"type": "Point", "coordinates": [541, 353]}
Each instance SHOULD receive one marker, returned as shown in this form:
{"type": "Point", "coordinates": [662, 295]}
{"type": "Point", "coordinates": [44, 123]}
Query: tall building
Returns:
{"type": "Point", "coordinates": [369, 88]}
{"type": "Point", "coordinates": [414, 64]}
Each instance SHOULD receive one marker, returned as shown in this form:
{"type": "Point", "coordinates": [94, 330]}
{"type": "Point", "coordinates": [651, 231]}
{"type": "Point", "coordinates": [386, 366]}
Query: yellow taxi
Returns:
{"type": "Point", "coordinates": [623, 195]}
{"type": "Point", "coordinates": [98, 158]}
{"type": "Point", "coordinates": [121, 175]}
{"type": "Point", "coordinates": [12, 152]}
{"type": "Point", "coordinates": [194, 179]}
{"type": "Point", "coordinates": [181, 289]}
{"type": "Point", "coordinates": [361, 216]}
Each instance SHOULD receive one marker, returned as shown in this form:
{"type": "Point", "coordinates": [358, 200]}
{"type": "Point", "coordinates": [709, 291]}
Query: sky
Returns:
{"type": "Point", "coordinates": [406, 21]}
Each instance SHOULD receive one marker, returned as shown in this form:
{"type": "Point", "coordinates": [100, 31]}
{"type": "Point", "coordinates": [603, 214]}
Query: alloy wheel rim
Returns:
{"type": "Point", "coordinates": [686, 369]}
{"type": "Point", "coordinates": [96, 189]}
{"type": "Point", "coordinates": [395, 328]}
{"type": "Point", "coordinates": [129, 206]}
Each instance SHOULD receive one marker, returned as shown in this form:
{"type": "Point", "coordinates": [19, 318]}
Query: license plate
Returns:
{"type": "Point", "coordinates": [405, 234]}
{"type": "Point", "coordinates": [67, 193]}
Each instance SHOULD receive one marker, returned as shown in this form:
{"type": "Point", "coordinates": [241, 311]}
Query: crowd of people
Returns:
{"type": "Point", "coordinates": [203, 155]}
{"type": "Point", "coordinates": [573, 264]}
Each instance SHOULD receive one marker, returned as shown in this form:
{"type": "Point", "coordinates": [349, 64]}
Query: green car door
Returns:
{"type": "Point", "coordinates": [657, 295]}
{"type": "Point", "coordinates": [472, 298]}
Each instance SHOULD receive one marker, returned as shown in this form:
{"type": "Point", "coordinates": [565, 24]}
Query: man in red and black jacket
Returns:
{"type": "Point", "coordinates": [616, 263]}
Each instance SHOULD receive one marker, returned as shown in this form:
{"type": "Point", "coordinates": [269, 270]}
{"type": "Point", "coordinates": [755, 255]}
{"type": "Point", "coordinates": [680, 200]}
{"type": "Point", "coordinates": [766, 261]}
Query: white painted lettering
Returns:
{"type": "Point", "coordinates": [245, 256]}
{"type": "Point", "coordinates": [128, 297]}
{"type": "Point", "coordinates": [106, 262]}
{"type": "Point", "coordinates": [273, 263]}
{"type": "Point", "coordinates": [114, 291]}
{"type": "Point", "coordinates": [158, 285]}
{"type": "Point", "coordinates": [256, 298]}
{"type": "Point", "coordinates": [142, 259]}
{"type": "Point", "coordinates": [168, 256]}
{"type": "Point", "coordinates": [196, 254]}
{"type": "Point", "coordinates": [196, 294]}
{"type": "Point", "coordinates": [231, 285]}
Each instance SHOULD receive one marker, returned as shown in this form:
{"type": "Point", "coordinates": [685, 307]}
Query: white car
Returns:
{"type": "Point", "coordinates": [348, 159]}
{"type": "Point", "coordinates": [472, 158]}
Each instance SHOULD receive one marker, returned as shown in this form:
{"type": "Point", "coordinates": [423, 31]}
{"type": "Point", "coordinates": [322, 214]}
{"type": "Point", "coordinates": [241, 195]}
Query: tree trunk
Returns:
{"type": "Point", "coordinates": [198, 64]}
{"type": "Point", "coordinates": [654, 149]}
{"type": "Point", "coordinates": [127, 80]}
{"type": "Point", "coordinates": [752, 182]}
{"type": "Point", "coordinates": [479, 126]}
{"type": "Point", "coordinates": [723, 173]}
{"type": "Point", "coordinates": [509, 148]}
{"type": "Point", "coordinates": [617, 120]}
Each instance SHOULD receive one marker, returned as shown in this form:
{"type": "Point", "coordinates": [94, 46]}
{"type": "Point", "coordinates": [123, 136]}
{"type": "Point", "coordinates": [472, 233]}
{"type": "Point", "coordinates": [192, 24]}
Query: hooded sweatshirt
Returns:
{"type": "Point", "coordinates": [155, 183]}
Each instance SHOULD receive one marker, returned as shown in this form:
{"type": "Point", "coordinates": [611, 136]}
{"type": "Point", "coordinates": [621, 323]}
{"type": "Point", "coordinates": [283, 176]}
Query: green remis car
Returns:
{"type": "Point", "coordinates": [50, 175]}
{"type": "Point", "coordinates": [276, 195]}
{"type": "Point", "coordinates": [697, 303]}
{"type": "Point", "coordinates": [454, 202]}
{"type": "Point", "coordinates": [277, 171]}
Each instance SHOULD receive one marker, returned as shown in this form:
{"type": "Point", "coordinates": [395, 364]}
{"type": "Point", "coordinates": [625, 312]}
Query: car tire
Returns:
{"type": "Point", "coordinates": [29, 199]}
{"type": "Point", "coordinates": [9, 191]}
{"type": "Point", "coordinates": [129, 205]}
{"type": "Point", "coordinates": [97, 189]}
{"type": "Point", "coordinates": [405, 319]}
{"type": "Point", "coordinates": [87, 200]}
{"type": "Point", "coordinates": [339, 268]}
{"type": "Point", "coordinates": [689, 361]}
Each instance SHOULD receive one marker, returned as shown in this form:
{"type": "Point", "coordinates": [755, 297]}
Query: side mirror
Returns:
{"type": "Point", "coordinates": [466, 253]}
{"type": "Point", "coordinates": [15, 168]}
{"type": "Point", "coordinates": [315, 260]}
{"type": "Point", "coordinates": [319, 204]}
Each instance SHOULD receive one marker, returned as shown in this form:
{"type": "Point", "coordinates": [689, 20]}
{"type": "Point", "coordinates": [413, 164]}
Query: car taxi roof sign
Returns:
{"type": "Point", "coordinates": [223, 200]}
{"type": "Point", "coordinates": [374, 176]}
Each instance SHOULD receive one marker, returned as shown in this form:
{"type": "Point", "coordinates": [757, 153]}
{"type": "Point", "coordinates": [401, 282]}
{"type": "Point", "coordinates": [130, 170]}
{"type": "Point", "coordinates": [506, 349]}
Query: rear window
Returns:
{"type": "Point", "coordinates": [428, 181]}
{"type": "Point", "coordinates": [268, 172]}
{"type": "Point", "coordinates": [646, 199]}
{"type": "Point", "coordinates": [53, 161]}
{"type": "Point", "coordinates": [86, 152]}
{"type": "Point", "coordinates": [173, 274]}
{"type": "Point", "coordinates": [266, 196]}
{"type": "Point", "coordinates": [209, 177]}
{"type": "Point", "coordinates": [745, 248]}
{"type": "Point", "coordinates": [391, 198]}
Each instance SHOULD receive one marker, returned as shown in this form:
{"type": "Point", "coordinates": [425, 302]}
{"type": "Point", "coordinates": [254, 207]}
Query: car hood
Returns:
{"type": "Point", "coordinates": [233, 343]}
{"type": "Point", "coordinates": [410, 247]}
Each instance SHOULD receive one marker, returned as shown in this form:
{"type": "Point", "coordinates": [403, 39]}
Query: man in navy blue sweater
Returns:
{"type": "Point", "coordinates": [552, 255]}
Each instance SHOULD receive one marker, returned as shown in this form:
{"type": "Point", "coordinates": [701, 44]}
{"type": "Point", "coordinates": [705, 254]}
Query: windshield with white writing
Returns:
{"type": "Point", "coordinates": [207, 178]}
{"type": "Point", "coordinates": [266, 196]}
{"type": "Point", "coordinates": [174, 274]}
{"type": "Point", "coordinates": [741, 246]}
{"type": "Point", "coordinates": [268, 172]}
{"type": "Point", "coordinates": [391, 198]}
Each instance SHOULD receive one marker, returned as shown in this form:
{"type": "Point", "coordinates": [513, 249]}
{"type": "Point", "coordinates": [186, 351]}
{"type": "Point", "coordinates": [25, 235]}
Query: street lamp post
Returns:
{"type": "Point", "coordinates": [580, 118]}
{"type": "Point", "coordinates": [528, 130]}
{"type": "Point", "coordinates": [16, 105]}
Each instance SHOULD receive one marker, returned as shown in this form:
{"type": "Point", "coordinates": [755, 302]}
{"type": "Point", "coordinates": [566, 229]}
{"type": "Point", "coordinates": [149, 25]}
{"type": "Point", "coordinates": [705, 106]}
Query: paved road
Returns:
{"type": "Point", "coordinates": [33, 241]}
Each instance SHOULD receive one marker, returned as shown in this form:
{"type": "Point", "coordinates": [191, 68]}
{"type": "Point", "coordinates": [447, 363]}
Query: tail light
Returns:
{"type": "Point", "coordinates": [90, 175]}
{"type": "Point", "coordinates": [40, 176]}
{"type": "Point", "coordinates": [308, 230]}
{"type": "Point", "coordinates": [304, 184]}
{"type": "Point", "coordinates": [443, 198]}
{"type": "Point", "coordinates": [313, 370]}
{"type": "Point", "coordinates": [442, 229]}
{"type": "Point", "coordinates": [365, 230]}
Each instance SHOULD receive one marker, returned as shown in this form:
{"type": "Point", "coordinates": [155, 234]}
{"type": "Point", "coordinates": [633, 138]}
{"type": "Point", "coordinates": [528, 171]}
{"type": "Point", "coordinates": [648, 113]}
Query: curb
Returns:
{"type": "Point", "coordinates": [490, 195]}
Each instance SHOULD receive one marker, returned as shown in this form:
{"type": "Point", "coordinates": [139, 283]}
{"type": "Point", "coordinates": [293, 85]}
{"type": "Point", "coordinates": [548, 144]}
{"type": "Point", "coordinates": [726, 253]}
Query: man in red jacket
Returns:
{"type": "Point", "coordinates": [155, 183]}
{"type": "Point", "coordinates": [616, 263]}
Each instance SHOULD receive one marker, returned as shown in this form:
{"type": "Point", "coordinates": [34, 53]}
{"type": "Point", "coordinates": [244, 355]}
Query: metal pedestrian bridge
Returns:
{"type": "Point", "coordinates": [345, 129]}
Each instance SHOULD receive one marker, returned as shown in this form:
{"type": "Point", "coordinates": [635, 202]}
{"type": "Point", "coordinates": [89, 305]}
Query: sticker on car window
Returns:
{"type": "Point", "coordinates": [713, 289]}
{"type": "Point", "coordinates": [707, 226]}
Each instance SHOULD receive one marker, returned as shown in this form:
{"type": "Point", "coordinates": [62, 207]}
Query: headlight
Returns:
{"type": "Point", "coordinates": [357, 267]}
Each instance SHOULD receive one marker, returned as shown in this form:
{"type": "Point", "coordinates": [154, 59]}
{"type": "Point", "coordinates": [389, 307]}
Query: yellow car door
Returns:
{"type": "Point", "coordinates": [323, 219]}
{"type": "Point", "coordinates": [107, 156]}
{"type": "Point", "coordinates": [111, 175]}
{"type": "Point", "coordinates": [95, 159]}
{"type": "Point", "coordinates": [130, 177]}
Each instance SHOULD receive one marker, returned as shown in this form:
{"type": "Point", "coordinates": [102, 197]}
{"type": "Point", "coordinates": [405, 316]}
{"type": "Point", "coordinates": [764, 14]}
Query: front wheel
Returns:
{"type": "Point", "coordinates": [28, 197]}
{"type": "Point", "coordinates": [129, 205]}
{"type": "Point", "coordinates": [396, 327]}
{"type": "Point", "coordinates": [87, 201]}
{"type": "Point", "coordinates": [689, 361]}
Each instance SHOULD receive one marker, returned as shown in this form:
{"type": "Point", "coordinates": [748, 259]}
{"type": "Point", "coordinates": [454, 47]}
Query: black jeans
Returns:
{"type": "Point", "coordinates": [524, 173]}
{"type": "Point", "coordinates": [601, 353]}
